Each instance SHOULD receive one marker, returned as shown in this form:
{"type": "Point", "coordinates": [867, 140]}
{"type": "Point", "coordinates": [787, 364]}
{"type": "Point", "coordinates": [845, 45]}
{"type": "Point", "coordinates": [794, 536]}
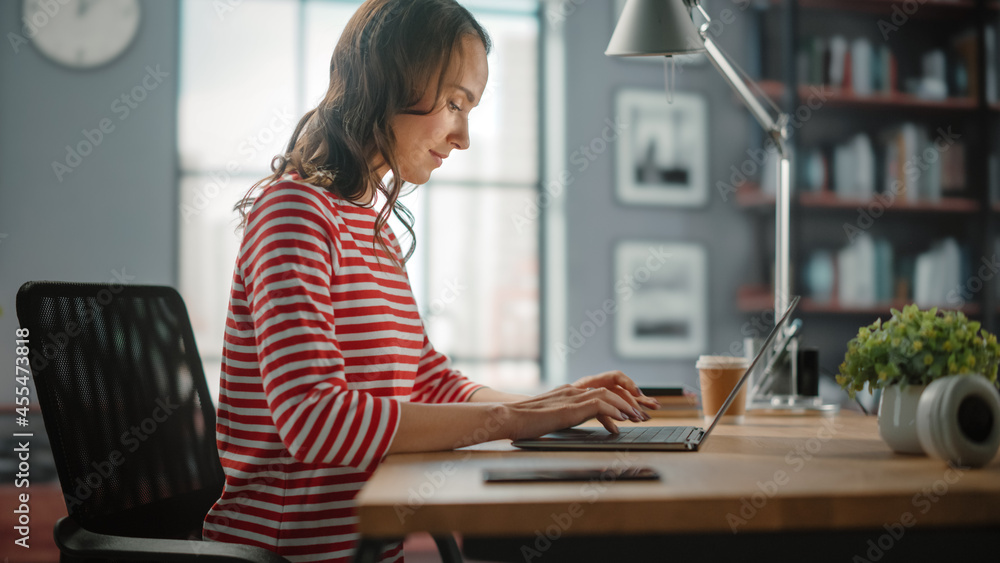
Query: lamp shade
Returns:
{"type": "Point", "coordinates": [654, 27]}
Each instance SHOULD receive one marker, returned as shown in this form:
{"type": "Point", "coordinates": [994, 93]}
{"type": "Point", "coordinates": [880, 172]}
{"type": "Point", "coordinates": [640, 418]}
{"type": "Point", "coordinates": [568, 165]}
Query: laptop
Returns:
{"type": "Point", "coordinates": [656, 438]}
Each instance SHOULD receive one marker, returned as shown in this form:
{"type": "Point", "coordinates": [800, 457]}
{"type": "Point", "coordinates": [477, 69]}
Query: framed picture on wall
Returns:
{"type": "Point", "coordinates": [662, 300]}
{"type": "Point", "coordinates": [682, 61]}
{"type": "Point", "coordinates": [662, 158]}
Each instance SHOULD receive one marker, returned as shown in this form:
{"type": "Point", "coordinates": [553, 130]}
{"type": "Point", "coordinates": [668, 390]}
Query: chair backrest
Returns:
{"type": "Point", "coordinates": [125, 405]}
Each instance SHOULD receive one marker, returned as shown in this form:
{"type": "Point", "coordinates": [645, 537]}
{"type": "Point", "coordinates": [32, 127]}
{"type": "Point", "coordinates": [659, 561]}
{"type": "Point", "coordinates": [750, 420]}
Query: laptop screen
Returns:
{"type": "Point", "coordinates": [757, 360]}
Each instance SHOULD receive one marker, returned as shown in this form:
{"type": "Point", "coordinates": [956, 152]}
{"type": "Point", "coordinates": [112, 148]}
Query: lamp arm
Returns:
{"type": "Point", "coordinates": [776, 127]}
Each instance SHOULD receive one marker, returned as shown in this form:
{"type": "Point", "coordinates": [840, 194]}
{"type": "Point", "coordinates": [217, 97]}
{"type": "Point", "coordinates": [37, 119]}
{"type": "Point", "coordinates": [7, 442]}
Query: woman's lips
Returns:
{"type": "Point", "coordinates": [439, 158]}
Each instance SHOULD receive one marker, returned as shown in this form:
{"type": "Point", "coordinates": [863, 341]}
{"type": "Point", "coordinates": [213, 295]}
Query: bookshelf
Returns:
{"type": "Point", "coordinates": [892, 100]}
{"type": "Point", "coordinates": [755, 299]}
{"type": "Point", "coordinates": [914, 83]}
{"type": "Point", "coordinates": [752, 197]}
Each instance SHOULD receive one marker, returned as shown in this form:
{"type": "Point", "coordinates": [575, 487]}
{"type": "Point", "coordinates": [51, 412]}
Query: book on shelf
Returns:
{"type": "Point", "coordinates": [856, 267]}
{"type": "Point", "coordinates": [812, 61]}
{"type": "Point", "coordinates": [909, 142]}
{"type": "Point", "coordinates": [965, 76]}
{"type": "Point", "coordinates": [906, 165]}
{"type": "Point", "coordinates": [852, 65]}
{"type": "Point", "coordinates": [867, 273]}
{"type": "Point", "coordinates": [862, 68]}
{"type": "Point", "coordinates": [866, 69]}
{"type": "Point", "coordinates": [820, 275]}
{"type": "Point", "coordinates": [938, 274]}
{"type": "Point", "coordinates": [884, 276]}
{"type": "Point", "coordinates": [838, 55]}
{"type": "Point", "coordinates": [673, 404]}
{"type": "Point", "coordinates": [854, 168]}
{"type": "Point", "coordinates": [814, 171]}
{"type": "Point", "coordinates": [918, 168]}
{"type": "Point", "coordinates": [953, 168]}
{"type": "Point", "coordinates": [885, 70]}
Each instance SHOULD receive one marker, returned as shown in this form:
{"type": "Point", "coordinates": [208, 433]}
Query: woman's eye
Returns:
{"type": "Point", "coordinates": [454, 106]}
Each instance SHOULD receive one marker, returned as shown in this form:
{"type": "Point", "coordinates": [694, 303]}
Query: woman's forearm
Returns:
{"type": "Point", "coordinates": [438, 427]}
{"type": "Point", "coordinates": [494, 415]}
{"type": "Point", "coordinates": [488, 395]}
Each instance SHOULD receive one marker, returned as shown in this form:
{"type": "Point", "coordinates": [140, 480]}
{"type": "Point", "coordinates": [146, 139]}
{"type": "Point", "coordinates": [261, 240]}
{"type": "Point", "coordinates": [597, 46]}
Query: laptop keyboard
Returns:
{"type": "Point", "coordinates": [659, 435]}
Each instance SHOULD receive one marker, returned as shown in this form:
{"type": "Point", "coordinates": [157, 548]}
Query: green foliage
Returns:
{"type": "Point", "coordinates": [916, 347]}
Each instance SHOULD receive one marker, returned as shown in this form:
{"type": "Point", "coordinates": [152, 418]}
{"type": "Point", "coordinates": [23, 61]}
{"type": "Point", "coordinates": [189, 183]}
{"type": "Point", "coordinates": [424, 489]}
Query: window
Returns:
{"type": "Point", "coordinates": [247, 76]}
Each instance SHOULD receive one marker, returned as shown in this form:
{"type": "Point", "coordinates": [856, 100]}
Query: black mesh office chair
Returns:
{"type": "Point", "coordinates": [127, 410]}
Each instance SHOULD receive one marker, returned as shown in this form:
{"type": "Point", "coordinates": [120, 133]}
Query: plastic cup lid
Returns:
{"type": "Point", "coordinates": [722, 362]}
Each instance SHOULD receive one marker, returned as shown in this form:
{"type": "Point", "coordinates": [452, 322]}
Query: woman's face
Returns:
{"type": "Point", "coordinates": [424, 141]}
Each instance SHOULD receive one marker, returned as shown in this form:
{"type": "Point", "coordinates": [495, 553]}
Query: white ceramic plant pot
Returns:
{"type": "Point", "coordinates": [897, 418]}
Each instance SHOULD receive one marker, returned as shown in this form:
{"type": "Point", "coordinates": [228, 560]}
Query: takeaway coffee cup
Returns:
{"type": "Point", "coordinates": [718, 375]}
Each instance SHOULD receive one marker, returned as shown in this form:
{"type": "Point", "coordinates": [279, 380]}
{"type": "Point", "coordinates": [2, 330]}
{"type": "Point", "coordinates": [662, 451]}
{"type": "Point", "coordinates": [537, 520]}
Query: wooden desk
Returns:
{"type": "Point", "coordinates": [800, 479]}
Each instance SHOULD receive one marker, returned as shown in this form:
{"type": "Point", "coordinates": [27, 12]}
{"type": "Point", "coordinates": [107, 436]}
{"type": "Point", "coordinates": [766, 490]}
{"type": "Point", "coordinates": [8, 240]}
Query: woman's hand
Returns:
{"type": "Point", "coordinates": [624, 387]}
{"type": "Point", "coordinates": [608, 396]}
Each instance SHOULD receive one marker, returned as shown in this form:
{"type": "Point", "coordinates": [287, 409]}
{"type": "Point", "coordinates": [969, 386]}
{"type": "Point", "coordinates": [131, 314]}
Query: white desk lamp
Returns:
{"type": "Point", "coordinates": [665, 28]}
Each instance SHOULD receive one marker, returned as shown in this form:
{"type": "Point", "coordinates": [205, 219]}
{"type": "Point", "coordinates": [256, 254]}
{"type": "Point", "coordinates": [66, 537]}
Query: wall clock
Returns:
{"type": "Point", "coordinates": [82, 34]}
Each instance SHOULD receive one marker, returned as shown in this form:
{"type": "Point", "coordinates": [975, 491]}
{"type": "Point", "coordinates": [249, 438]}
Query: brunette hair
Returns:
{"type": "Point", "coordinates": [382, 64]}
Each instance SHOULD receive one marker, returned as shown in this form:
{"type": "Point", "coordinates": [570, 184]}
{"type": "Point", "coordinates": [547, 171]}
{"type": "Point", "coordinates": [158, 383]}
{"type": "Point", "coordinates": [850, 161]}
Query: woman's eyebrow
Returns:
{"type": "Point", "coordinates": [468, 93]}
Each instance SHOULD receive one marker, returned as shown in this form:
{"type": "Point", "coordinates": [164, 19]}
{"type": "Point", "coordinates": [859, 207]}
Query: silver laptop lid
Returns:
{"type": "Point", "coordinates": [756, 360]}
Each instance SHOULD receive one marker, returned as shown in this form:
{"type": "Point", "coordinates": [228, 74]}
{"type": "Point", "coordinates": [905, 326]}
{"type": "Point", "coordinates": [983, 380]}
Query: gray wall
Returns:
{"type": "Point", "coordinates": [116, 211]}
{"type": "Point", "coordinates": [596, 220]}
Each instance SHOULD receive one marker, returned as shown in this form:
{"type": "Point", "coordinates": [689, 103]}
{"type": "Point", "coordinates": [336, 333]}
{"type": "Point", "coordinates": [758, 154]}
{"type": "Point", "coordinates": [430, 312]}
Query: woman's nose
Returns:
{"type": "Point", "coordinates": [460, 136]}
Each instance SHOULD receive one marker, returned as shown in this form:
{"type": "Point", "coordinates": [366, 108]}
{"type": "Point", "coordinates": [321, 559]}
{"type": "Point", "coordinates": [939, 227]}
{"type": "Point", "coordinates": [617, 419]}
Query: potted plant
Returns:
{"type": "Point", "coordinates": [904, 354]}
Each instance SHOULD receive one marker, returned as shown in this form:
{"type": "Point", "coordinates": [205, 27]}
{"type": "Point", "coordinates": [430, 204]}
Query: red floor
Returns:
{"type": "Point", "coordinates": [420, 548]}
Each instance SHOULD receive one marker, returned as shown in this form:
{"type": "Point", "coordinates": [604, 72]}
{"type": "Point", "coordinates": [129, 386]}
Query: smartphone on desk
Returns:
{"type": "Point", "coordinates": [662, 391]}
{"type": "Point", "coordinates": [517, 475]}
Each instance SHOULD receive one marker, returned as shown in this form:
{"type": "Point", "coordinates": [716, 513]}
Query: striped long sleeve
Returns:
{"type": "Point", "coordinates": [323, 342]}
{"type": "Point", "coordinates": [436, 382]}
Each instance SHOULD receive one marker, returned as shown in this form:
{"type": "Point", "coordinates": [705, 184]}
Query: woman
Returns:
{"type": "Point", "coordinates": [327, 367]}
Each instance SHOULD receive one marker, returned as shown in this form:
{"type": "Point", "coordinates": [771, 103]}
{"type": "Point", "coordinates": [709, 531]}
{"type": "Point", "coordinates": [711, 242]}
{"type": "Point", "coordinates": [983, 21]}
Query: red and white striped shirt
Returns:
{"type": "Point", "coordinates": [323, 341]}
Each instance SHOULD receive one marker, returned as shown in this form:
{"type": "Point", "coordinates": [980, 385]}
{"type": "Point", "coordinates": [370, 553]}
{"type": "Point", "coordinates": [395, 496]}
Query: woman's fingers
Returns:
{"type": "Point", "coordinates": [618, 401]}
{"type": "Point", "coordinates": [634, 406]}
{"type": "Point", "coordinates": [648, 402]}
{"type": "Point", "coordinates": [610, 379]}
{"type": "Point", "coordinates": [627, 389]}
{"type": "Point", "coordinates": [609, 424]}
{"type": "Point", "coordinates": [626, 382]}
{"type": "Point", "coordinates": [634, 392]}
{"type": "Point", "coordinates": [591, 397]}
{"type": "Point", "coordinates": [634, 402]}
